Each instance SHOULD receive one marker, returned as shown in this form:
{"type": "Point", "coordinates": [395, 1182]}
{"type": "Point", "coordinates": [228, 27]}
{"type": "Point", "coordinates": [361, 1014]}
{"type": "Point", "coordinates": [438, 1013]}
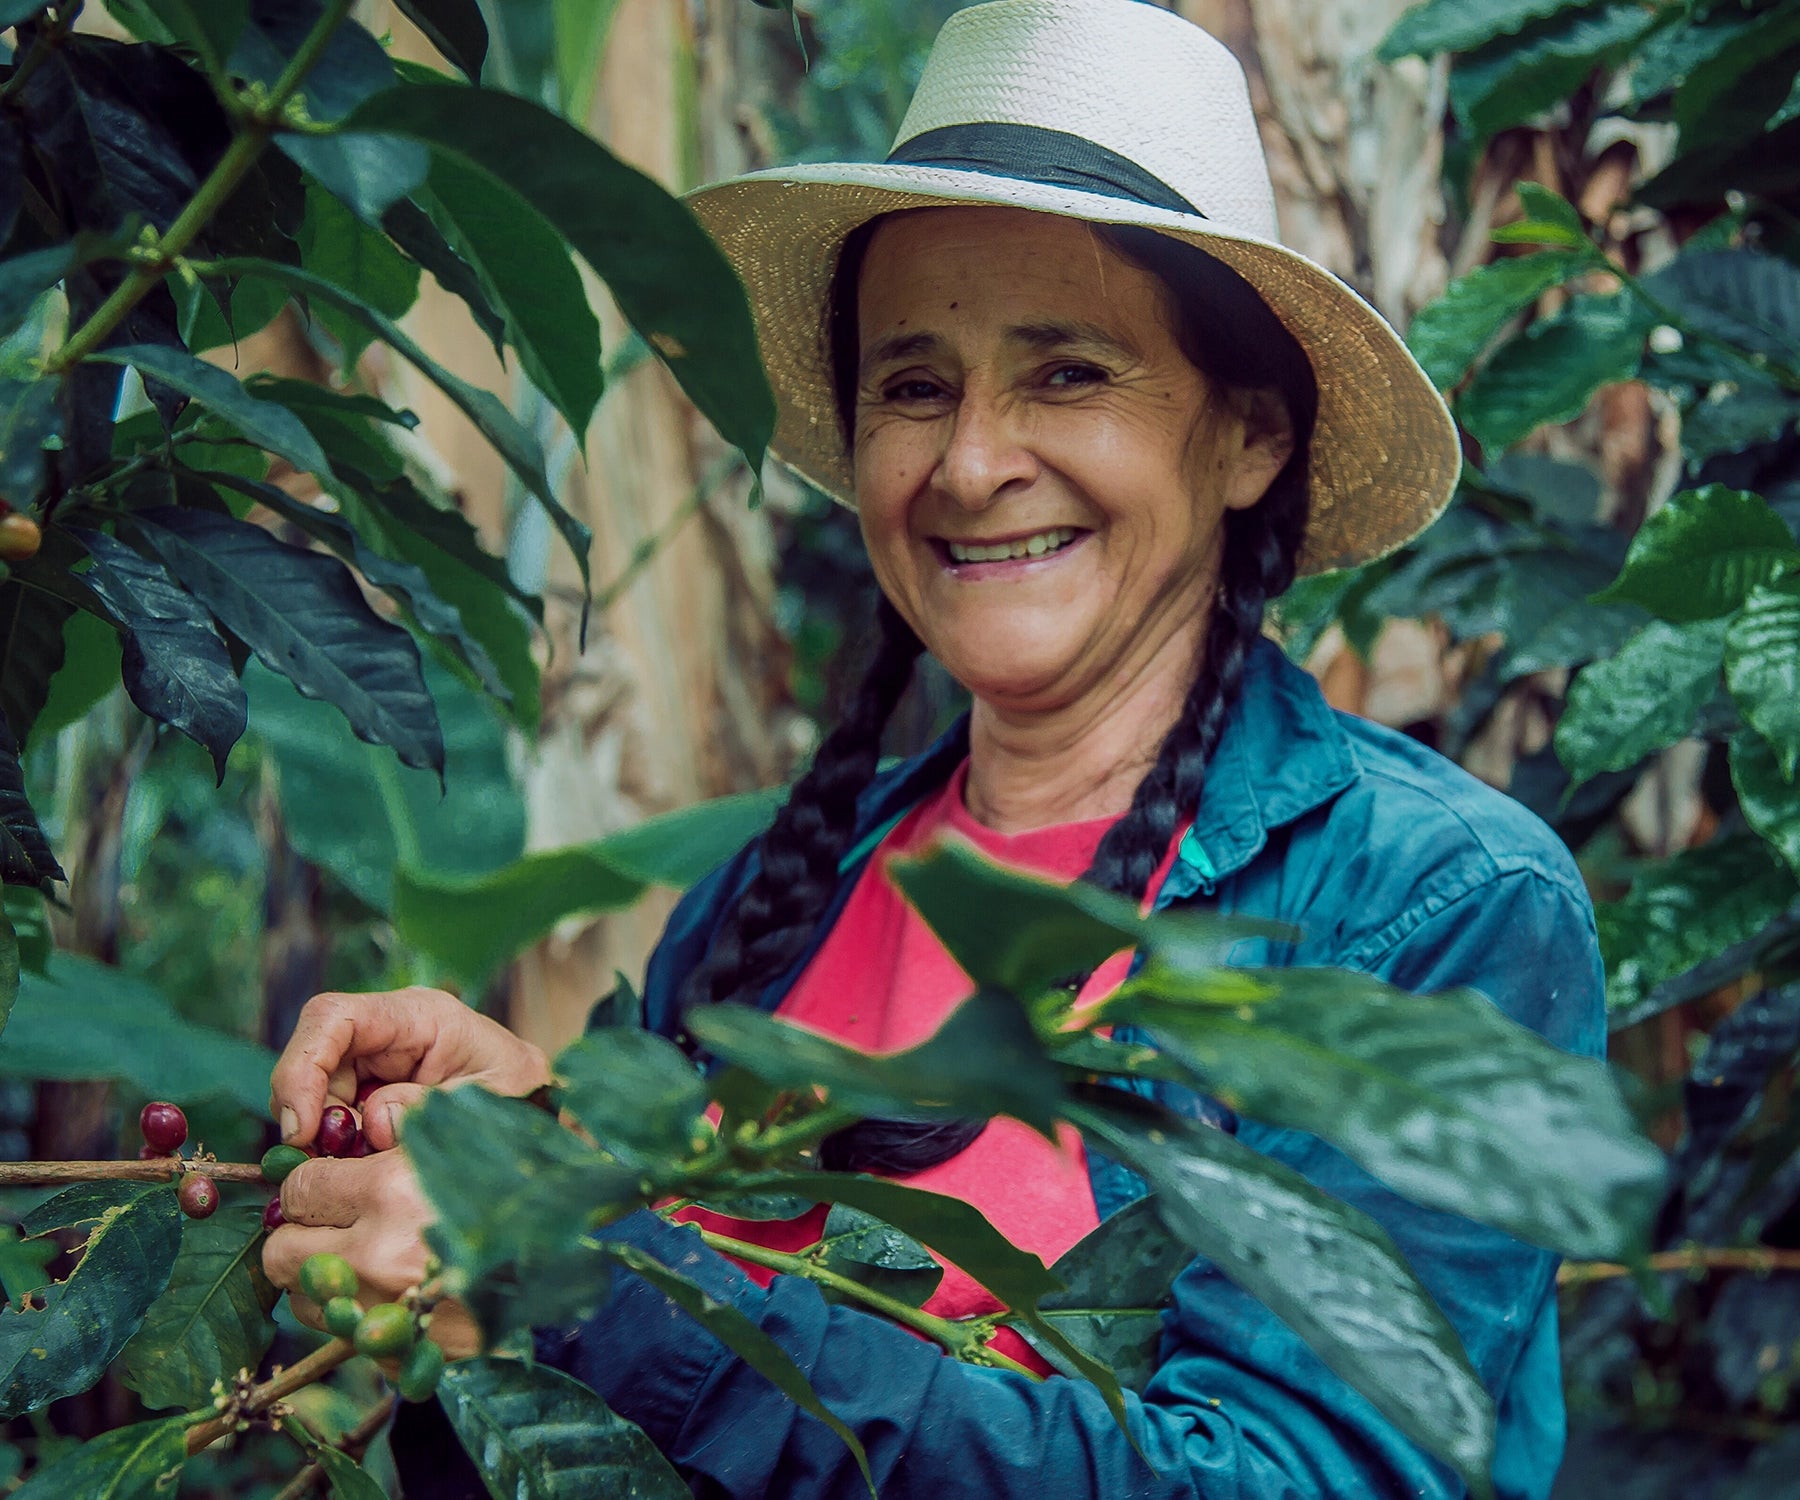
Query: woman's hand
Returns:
{"type": "Point", "coordinates": [401, 1041]}
{"type": "Point", "coordinates": [371, 1211]}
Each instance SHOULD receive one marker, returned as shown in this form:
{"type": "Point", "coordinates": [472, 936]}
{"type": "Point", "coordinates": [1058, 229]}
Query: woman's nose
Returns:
{"type": "Point", "coordinates": [984, 454]}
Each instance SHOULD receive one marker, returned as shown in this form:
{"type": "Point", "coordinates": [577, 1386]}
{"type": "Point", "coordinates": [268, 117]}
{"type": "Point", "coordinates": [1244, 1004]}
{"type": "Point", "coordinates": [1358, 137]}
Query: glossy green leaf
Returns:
{"type": "Point", "coordinates": [537, 1434]}
{"type": "Point", "coordinates": [743, 1337]}
{"type": "Point", "coordinates": [1641, 700]}
{"type": "Point", "coordinates": [84, 1203]}
{"type": "Point", "coordinates": [1770, 800]}
{"type": "Point", "coordinates": [25, 857]}
{"type": "Point", "coordinates": [1513, 79]}
{"type": "Point", "coordinates": [25, 278]}
{"type": "Point", "coordinates": [411, 228]}
{"type": "Point", "coordinates": [1449, 333]}
{"type": "Point", "coordinates": [525, 269]}
{"type": "Point", "coordinates": [1762, 666]}
{"type": "Point", "coordinates": [176, 666]}
{"type": "Point", "coordinates": [209, 27]}
{"type": "Point", "coordinates": [633, 1090]}
{"type": "Point", "coordinates": [29, 418]}
{"type": "Point", "coordinates": [984, 1060]}
{"type": "Point", "coordinates": [455, 28]}
{"type": "Point", "coordinates": [669, 279]}
{"type": "Point", "coordinates": [304, 616]}
{"type": "Point", "coordinates": [473, 924]}
{"type": "Point", "coordinates": [1550, 219]}
{"type": "Point", "coordinates": [1747, 298]}
{"type": "Point", "coordinates": [337, 245]}
{"type": "Point", "coordinates": [1550, 373]}
{"type": "Point", "coordinates": [346, 1478]}
{"type": "Point", "coordinates": [87, 1020]}
{"type": "Point", "coordinates": [86, 1319]}
{"type": "Point", "coordinates": [92, 664]}
{"type": "Point", "coordinates": [129, 1463]}
{"type": "Point", "coordinates": [1702, 553]}
{"type": "Point", "coordinates": [1461, 25]}
{"type": "Point", "coordinates": [1683, 910]}
{"type": "Point", "coordinates": [1442, 1097]}
{"type": "Point", "coordinates": [214, 1318]}
{"type": "Point", "coordinates": [877, 1255]}
{"type": "Point", "coordinates": [268, 424]}
{"type": "Point", "coordinates": [1326, 1269]}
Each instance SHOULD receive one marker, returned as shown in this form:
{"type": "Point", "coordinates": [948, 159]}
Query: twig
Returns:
{"type": "Point", "coordinates": [157, 1169]}
{"type": "Point", "coordinates": [353, 1444]}
{"type": "Point", "coordinates": [1699, 1258]}
{"type": "Point", "coordinates": [320, 1363]}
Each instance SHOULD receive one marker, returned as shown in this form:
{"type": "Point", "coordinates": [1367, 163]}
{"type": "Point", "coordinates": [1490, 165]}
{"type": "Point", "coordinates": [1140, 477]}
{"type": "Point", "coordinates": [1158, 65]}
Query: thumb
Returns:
{"type": "Point", "coordinates": [382, 1110]}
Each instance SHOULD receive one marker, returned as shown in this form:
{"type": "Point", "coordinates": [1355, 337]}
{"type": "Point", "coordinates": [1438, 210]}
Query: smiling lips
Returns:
{"type": "Point", "coordinates": [1038, 544]}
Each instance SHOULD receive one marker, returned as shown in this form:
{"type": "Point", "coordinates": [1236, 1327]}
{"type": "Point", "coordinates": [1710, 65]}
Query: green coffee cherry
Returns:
{"type": "Point", "coordinates": [385, 1332]}
{"type": "Point", "coordinates": [419, 1373]}
{"type": "Point", "coordinates": [325, 1276]}
{"type": "Point", "coordinates": [342, 1315]}
{"type": "Point", "coordinates": [278, 1161]}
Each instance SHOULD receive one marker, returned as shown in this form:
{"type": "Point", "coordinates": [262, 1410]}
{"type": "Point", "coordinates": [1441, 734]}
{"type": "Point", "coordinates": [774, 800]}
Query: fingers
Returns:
{"type": "Point", "coordinates": [332, 1193]}
{"type": "Point", "coordinates": [382, 1111]}
{"type": "Point", "coordinates": [289, 1247]}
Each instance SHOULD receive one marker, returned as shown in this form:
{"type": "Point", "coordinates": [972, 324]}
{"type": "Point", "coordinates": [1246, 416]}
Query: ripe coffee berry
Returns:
{"type": "Point", "coordinates": [360, 1146]}
{"type": "Point", "coordinates": [20, 538]}
{"type": "Point", "coordinates": [278, 1161]}
{"type": "Point", "coordinates": [419, 1372]}
{"type": "Point", "coordinates": [324, 1276]}
{"type": "Point", "coordinates": [198, 1196]}
{"type": "Point", "coordinates": [273, 1217]}
{"type": "Point", "coordinates": [164, 1127]}
{"type": "Point", "coordinates": [342, 1315]}
{"type": "Point", "coordinates": [337, 1131]}
{"type": "Point", "coordinates": [150, 1153]}
{"type": "Point", "coordinates": [385, 1331]}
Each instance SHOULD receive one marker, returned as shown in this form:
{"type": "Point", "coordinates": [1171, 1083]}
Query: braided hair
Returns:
{"type": "Point", "coordinates": [1228, 333]}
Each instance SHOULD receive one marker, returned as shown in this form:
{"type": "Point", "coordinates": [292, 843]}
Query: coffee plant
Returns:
{"type": "Point", "coordinates": [246, 159]}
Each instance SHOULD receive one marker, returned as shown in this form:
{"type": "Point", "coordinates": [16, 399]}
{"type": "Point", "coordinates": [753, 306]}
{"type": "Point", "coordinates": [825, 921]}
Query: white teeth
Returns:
{"type": "Point", "coordinates": [1032, 546]}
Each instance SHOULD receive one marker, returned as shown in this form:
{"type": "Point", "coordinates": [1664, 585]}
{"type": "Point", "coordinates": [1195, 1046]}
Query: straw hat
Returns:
{"type": "Point", "coordinates": [1116, 112]}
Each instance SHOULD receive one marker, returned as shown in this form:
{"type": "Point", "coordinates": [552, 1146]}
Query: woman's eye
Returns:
{"type": "Point", "coordinates": [1065, 376]}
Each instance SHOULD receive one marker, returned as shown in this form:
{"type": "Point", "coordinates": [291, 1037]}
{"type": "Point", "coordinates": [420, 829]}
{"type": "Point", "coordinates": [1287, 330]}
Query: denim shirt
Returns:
{"type": "Point", "coordinates": [1390, 860]}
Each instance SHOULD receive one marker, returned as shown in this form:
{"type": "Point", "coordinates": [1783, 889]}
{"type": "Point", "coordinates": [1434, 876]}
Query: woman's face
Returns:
{"type": "Point", "coordinates": [1040, 473]}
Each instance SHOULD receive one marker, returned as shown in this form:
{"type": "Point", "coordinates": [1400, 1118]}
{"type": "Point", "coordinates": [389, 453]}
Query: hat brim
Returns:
{"type": "Point", "coordinates": [1385, 454]}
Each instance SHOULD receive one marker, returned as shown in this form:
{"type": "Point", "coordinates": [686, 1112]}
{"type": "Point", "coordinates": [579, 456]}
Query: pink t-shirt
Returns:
{"type": "Point", "coordinates": [881, 982]}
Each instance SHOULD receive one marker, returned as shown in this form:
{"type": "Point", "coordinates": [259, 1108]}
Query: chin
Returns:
{"type": "Point", "coordinates": [1026, 678]}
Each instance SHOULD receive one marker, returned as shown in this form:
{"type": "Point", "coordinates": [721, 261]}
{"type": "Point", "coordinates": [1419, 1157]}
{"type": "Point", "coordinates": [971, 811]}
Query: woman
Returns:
{"type": "Point", "coordinates": [1092, 419]}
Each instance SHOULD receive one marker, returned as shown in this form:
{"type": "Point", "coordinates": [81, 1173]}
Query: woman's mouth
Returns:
{"type": "Point", "coordinates": [1010, 554]}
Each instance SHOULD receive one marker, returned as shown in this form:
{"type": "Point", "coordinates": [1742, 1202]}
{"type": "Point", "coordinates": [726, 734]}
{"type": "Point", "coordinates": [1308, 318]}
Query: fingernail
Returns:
{"type": "Point", "coordinates": [290, 1124]}
{"type": "Point", "coordinates": [394, 1112]}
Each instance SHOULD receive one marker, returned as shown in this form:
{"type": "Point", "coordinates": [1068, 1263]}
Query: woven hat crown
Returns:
{"type": "Point", "coordinates": [1130, 77]}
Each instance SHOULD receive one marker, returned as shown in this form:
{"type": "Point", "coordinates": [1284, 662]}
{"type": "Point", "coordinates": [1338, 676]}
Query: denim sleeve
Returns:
{"type": "Point", "coordinates": [1240, 1408]}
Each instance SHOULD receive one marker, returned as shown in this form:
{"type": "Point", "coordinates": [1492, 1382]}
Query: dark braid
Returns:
{"type": "Point", "coordinates": [1228, 333]}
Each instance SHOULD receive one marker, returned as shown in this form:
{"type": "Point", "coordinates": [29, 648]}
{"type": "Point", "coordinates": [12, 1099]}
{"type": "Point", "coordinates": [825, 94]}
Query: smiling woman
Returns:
{"type": "Point", "coordinates": [1092, 418]}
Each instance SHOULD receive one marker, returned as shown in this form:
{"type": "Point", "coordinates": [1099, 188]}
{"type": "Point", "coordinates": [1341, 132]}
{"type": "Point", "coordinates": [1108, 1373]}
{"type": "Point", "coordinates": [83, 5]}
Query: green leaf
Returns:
{"type": "Point", "coordinates": [581, 28]}
{"type": "Point", "coordinates": [84, 1203]}
{"type": "Point", "coordinates": [361, 260]}
{"type": "Point", "coordinates": [1747, 298]}
{"type": "Point", "coordinates": [1550, 219]}
{"type": "Point", "coordinates": [1442, 1097]}
{"type": "Point", "coordinates": [130, 1463]}
{"type": "Point", "coordinates": [29, 418]}
{"type": "Point", "coordinates": [878, 1256]}
{"type": "Point", "coordinates": [176, 667]}
{"type": "Point", "coordinates": [24, 1264]}
{"type": "Point", "coordinates": [1702, 553]}
{"type": "Point", "coordinates": [1448, 334]}
{"type": "Point", "coordinates": [214, 1318]}
{"type": "Point", "coordinates": [1550, 373]}
{"type": "Point", "coordinates": [984, 1060]}
{"type": "Point", "coordinates": [349, 808]}
{"type": "Point", "coordinates": [209, 27]}
{"type": "Point", "coordinates": [743, 1337]}
{"type": "Point", "coordinates": [670, 280]}
{"type": "Point", "coordinates": [268, 424]}
{"type": "Point", "coordinates": [633, 1089]}
{"type": "Point", "coordinates": [1641, 700]}
{"type": "Point", "coordinates": [1770, 800]}
{"type": "Point", "coordinates": [483, 408]}
{"type": "Point", "coordinates": [304, 617]}
{"type": "Point", "coordinates": [455, 28]}
{"type": "Point", "coordinates": [32, 624]}
{"type": "Point", "coordinates": [347, 1478]}
{"type": "Point", "coordinates": [85, 1020]}
{"type": "Point", "coordinates": [25, 278]}
{"type": "Point", "coordinates": [1117, 1280]}
{"type": "Point", "coordinates": [473, 923]}
{"type": "Point", "coordinates": [1683, 910]}
{"type": "Point", "coordinates": [537, 1434]}
{"type": "Point", "coordinates": [25, 910]}
{"type": "Point", "coordinates": [25, 857]}
{"type": "Point", "coordinates": [9, 968]}
{"type": "Point", "coordinates": [91, 666]}
{"type": "Point", "coordinates": [411, 228]}
{"type": "Point", "coordinates": [1326, 1269]}
{"type": "Point", "coordinates": [1462, 25]}
{"type": "Point", "coordinates": [62, 1348]}
{"type": "Point", "coordinates": [1510, 80]}
{"type": "Point", "coordinates": [525, 269]}
{"type": "Point", "coordinates": [1762, 667]}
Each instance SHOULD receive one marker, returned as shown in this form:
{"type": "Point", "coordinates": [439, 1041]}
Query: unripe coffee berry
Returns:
{"type": "Point", "coordinates": [342, 1315]}
{"type": "Point", "coordinates": [278, 1161]}
{"type": "Point", "coordinates": [419, 1372]}
{"type": "Point", "coordinates": [337, 1131]}
{"type": "Point", "coordinates": [386, 1331]}
{"type": "Point", "coordinates": [273, 1217]}
{"type": "Point", "coordinates": [20, 538]}
{"type": "Point", "coordinates": [164, 1127]}
{"type": "Point", "coordinates": [198, 1196]}
{"type": "Point", "coordinates": [324, 1276]}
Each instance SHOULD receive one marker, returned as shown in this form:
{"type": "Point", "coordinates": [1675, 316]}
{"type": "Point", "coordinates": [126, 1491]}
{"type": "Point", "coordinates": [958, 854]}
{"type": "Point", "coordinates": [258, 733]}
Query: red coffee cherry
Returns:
{"type": "Point", "coordinates": [273, 1217]}
{"type": "Point", "coordinates": [337, 1131]}
{"type": "Point", "coordinates": [360, 1146]}
{"type": "Point", "coordinates": [150, 1153]}
{"type": "Point", "coordinates": [198, 1196]}
{"type": "Point", "coordinates": [164, 1127]}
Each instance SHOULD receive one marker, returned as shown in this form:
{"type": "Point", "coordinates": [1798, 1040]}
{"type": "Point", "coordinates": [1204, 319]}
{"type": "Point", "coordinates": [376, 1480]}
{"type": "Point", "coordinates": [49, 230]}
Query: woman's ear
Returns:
{"type": "Point", "coordinates": [1264, 443]}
